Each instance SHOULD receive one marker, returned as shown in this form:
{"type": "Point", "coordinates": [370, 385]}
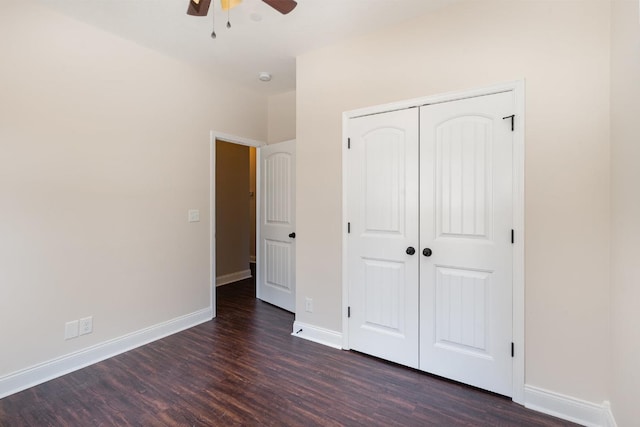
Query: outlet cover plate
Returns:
{"type": "Point", "coordinates": [86, 325]}
{"type": "Point", "coordinates": [71, 330]}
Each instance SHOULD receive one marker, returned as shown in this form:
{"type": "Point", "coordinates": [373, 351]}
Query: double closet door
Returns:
{"type": "Point", "coordinates": [430, 244]}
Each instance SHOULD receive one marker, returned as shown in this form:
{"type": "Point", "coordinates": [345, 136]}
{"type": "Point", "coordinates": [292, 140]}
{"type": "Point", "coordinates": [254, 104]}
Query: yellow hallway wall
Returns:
{"type": "Point", "coordinates": [232, 208]}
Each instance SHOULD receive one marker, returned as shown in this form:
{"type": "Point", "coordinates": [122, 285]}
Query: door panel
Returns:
{"type": "Point", "coordinates": [383, 211]}
{"type": "Point", "coordinates": [461, 309]}
{"type": "Point", "coordinates": [462, 170]}
{"type": "Point", "coordinates": [466, 220]}
{"type": "Point", "coordinates": [277, 256]}
{"type": "Point", "coordinates": [384, 296]}
{"type": "Point", "coordinates": [276, 249]}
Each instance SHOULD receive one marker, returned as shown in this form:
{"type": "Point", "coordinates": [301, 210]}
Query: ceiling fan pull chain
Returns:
{"type": "Point", "coordinates": [229, 18]}
{"type": "Point", "coordinates": [213, 24]}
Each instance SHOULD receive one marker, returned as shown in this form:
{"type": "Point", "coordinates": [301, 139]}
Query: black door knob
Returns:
{"type": "Point", "coordinates": [411, 250]}
{"type": "Point", "coordinates": [292, 235]}
{"type": "Point", "coordinates": [426, 252]}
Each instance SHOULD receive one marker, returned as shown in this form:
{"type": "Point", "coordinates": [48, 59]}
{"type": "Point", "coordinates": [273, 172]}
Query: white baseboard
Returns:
{"type": "Point", "coordinates": [558, 405]}
{"type": "Point", "coordinates": [233, 277]}
{"type": "Point", "coordinates": [317, 334]}
{"type": "Point", "coordinates": [43, 372]}
{"type": "Point", "coordinates": [568, 408]}
{"type": "Point", "coordinates": [609, 420]}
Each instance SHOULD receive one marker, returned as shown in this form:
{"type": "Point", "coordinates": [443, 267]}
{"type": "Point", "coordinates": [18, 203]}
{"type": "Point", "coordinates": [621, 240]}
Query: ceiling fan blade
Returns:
{"type": "Point", "coordinates": [282, 6]}
{"type": "Point", "coordinates": [198, 7]}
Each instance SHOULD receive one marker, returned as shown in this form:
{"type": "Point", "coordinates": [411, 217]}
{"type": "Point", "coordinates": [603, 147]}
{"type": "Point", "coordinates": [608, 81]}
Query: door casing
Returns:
{"type": "Point", "coordinates": [518, 88]}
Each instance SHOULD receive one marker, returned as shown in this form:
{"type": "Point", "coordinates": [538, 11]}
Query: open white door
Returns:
{"type": "Point", "coordinates": [276, 249]}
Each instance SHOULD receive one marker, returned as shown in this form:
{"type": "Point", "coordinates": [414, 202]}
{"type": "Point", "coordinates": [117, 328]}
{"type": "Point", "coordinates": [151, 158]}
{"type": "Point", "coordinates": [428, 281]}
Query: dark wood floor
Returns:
{"type": "Point", "coordinates": [244, 368]}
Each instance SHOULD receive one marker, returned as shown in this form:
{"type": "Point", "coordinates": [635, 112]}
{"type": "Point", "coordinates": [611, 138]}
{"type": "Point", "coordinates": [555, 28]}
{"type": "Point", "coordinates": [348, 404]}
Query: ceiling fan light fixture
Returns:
{"type": "Point", "coordinates": [264, 76]}
{"type": "Point", "coordinates": [229, 4]}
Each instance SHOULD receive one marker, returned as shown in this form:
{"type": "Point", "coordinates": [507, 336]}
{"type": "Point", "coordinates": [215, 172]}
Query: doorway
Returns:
{"type": "Point", "coordinates": [233, 212]}
{"type": "Point", "coordinates": [232, 197]}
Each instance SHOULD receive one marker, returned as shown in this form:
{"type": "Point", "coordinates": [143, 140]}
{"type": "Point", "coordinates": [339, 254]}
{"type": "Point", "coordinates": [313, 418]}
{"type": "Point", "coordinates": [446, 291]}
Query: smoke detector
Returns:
{"type": "Point", "coordinates": [264, 76]}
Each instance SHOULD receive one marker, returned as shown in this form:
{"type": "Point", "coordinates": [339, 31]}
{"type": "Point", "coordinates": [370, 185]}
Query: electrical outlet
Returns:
{"type": "Point", "coordinates": [308, 305]}
{"type": "Point", "coordinates": [70, 329]}
{"type": "Point", "coordinates": [86, 325]}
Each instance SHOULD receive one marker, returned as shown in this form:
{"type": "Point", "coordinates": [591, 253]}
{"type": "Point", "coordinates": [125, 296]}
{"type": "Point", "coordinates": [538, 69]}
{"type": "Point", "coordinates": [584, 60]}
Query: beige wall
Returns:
{"type": "Point", "coordinates": [104, 146]}
{"type": "Point", "coordinates": [232, 208]}
{"type": "Point", "coordinates": [562, 50]}
{"type": "Point", "coordinates": [625, 196]}
{"type": "Point", "coordinates": [282, 117]}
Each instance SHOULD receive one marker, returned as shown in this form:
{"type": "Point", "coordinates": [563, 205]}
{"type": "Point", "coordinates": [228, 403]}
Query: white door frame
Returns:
{"type": "Point", "coordinates": [518, 88]}
{"type": "Point", "coordinates": [212, 203]}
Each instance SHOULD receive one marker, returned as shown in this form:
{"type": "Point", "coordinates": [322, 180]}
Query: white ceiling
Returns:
{"type": "Point", "coordinates": [250, 46]}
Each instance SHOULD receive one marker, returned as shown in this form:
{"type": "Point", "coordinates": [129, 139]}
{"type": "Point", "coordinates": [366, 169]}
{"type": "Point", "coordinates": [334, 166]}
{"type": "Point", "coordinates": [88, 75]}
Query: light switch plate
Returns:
{"type": "Point", "coordinates": [194, 215]}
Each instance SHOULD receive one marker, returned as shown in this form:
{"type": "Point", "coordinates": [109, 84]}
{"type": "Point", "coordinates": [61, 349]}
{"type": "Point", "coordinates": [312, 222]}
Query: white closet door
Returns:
{"type": "Point", "coordinates": [276, 275]}
{"type": "Point", "coordinates": [383, 216]}
{"type": "Point", "coordinates": [466, 221]}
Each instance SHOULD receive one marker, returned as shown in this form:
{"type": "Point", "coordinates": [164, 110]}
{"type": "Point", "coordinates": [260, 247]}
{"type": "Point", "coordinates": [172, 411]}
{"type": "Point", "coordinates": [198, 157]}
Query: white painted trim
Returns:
{"type": "Point", "coordinates": [317, 334]}
{"type": "Point", "coordinates": [345, 237]}
{"type": "Point", "coordinates": [236, 139]}
{"type": "Point", "coordinates": [433, 99]}
{"type": "Point", "coordinates": [258, 221]}
{"type": "Point", "coordinates": [212, 223]}
{"type": "Point", "coordinates": [518, 87]}
{"type": "Point", "coordinates": [43, 372]}
{"type": "Point", "coordinates": [568, 408]}
{"type": "Point", "coordinates": [609, 419]}
{"type": "Point", "coordinates": [233, 277]}
{"type": "Point", "coordinates": [215, 135]}
{"type": "Point", "coordinates": [518, 289]}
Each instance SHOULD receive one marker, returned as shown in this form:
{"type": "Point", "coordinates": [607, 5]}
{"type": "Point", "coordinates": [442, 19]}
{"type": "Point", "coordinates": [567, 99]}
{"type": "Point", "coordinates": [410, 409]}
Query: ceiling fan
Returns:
{"type": "Point", "coordinates": [201, 7]}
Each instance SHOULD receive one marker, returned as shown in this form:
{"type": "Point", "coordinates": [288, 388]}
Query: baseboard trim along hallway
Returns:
{"type": "Point", "coordinates": [233, 277]}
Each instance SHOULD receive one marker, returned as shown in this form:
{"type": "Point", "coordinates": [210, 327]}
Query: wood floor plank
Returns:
{"type": "Point", "coordinates": [245, 369]}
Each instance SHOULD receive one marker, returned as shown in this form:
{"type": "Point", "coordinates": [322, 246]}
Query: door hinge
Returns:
{"type": "Point", "coordinates": [513, 350]}
{"type": "Point", "coordinates": [348, 228]}
{"type": "Point", "coordinates": [348, 143]}
{"type": "Point", "coordinates": [348, 311]}
{"type": "Point", "coordinates": [513, 236]}
{"type": "Point", "coordinates": [512, 117]}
